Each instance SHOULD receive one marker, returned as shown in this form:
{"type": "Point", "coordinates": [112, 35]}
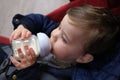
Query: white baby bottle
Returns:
{"type": "Point", "coordinates": [40, 44]}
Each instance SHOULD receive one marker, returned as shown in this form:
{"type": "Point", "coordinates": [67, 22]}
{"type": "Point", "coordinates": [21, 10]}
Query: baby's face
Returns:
{"type": "Point", "coordinates": [68, 41]}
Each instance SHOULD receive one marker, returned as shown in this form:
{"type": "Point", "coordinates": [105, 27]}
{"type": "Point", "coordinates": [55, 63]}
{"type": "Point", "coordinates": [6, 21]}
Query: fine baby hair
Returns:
{"type": "Point", "coordinates": [104, 28]}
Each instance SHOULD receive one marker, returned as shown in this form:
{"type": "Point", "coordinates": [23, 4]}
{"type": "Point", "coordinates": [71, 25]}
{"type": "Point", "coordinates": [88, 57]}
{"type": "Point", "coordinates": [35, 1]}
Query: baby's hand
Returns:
{"type": "Point", "coordinates": [21, 32]}
{"type": "Point", "coordinates": [25, 60]}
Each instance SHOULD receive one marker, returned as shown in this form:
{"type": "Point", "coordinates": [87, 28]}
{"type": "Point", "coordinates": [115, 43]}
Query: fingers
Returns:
{"type": "Point", "coordinates": [15, 62]}
{"type": "Point", "coordinates": [21, 55]}
{"type": "Point", "coordinates": [15, 34]}
{"type": "Point", "coordinates": [33, 54]}
{"type": "Point", "coordinates": [21, 32]}
{"type": "Point", "coordinates": [25, 34]}
{"type": "Point", "coordinates": [18, 64]}
{"type": "Point", "coordinates": [25, 60]}
{"type": "Point", "coordinates": [31, 57]}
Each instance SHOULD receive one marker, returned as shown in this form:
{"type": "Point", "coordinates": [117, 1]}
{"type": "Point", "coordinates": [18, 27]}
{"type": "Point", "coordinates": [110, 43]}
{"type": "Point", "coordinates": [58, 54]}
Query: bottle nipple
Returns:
{"type": "Point", "coordinates": [45, 45]}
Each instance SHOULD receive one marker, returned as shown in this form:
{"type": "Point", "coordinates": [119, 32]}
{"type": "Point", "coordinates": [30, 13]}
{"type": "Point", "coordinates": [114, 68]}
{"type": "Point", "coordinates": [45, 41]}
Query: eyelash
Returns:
{"type": "Point", "coordinates": [64, 40]}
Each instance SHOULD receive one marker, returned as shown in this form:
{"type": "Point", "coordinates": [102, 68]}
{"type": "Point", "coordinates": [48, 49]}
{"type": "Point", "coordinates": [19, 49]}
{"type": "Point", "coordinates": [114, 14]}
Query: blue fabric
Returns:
{"type": "Point", "coordinates": [35, 23]}
{"type": "Point", "coordinates": [110, 71]}
{"type": "Point", "coordinates": [106, 67]}
{"type": "Point", "coordinates": [31, 73]}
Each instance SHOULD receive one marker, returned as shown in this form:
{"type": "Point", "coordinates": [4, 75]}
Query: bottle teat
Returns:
{"type": "Point", "coordinates": [44, 43]}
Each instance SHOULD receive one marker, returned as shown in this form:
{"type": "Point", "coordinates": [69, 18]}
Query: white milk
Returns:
{"type": "Point", "coordinates": [39, 43]}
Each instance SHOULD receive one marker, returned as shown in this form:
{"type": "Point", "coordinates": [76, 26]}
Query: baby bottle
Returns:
{"type": "Point", "coordinates": [40, 44]}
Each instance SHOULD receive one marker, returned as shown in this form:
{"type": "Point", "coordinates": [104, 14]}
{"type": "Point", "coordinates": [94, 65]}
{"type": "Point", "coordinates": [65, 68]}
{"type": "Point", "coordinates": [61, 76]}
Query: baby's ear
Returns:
{"type": "Point", "coordinates": [85, 58]}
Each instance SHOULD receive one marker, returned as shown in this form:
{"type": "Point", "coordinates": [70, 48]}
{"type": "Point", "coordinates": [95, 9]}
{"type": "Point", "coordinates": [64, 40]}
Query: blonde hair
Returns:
{"type": "Point", "coordinates": [101, 24]}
